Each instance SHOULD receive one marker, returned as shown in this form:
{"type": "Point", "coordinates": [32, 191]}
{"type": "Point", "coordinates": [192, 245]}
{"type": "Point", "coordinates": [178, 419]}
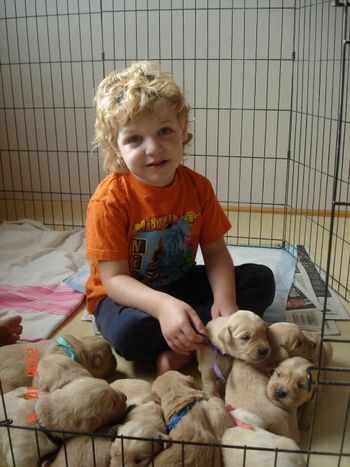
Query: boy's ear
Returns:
{"type": "Point", "coordinates": [184, 131]}
{"type": "Point", "coordinates": [186, 136]}
{"type": "Point", "coordinates": [119, 161]}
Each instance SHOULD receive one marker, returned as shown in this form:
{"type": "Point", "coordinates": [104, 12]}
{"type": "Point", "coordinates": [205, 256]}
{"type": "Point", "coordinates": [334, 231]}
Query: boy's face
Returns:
{"type": "Point", "coordinates": [151, 145]}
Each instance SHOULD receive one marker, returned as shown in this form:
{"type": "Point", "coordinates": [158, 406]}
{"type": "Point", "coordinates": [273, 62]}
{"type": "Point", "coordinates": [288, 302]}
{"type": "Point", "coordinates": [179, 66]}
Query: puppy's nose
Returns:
{"type": "Point", "coordinates": [263, 351]}
{"type": "Point", "coordinates": [280, 394]}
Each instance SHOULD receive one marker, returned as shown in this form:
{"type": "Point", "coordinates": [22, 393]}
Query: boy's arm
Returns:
{"type": "Point", "coordinates": [179, 323]}
{"type": "Point", "coordinates": [221, 275]}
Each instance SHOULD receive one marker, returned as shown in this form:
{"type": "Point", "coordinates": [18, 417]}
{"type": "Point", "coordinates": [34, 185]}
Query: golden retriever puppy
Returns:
{"type": "Point", "coordinates": [247, 389]}
{"type": "Point", "coordinates": [250, 430]}
{"type": "Point", "coordinates": [82, 450]}
{"type": "Point", "coordinates": [143, 421]}
{"type": "Point", "coordinates": [21, 411]}
{"type": "Point", "coordinates": [325, 347]}
{"type": "Point", "coordinates": [242, 335]}
{"type": "Point", "coordinates": [55, 371]}
{"type": "Point", "coordinates": [325, 359]}
{"type": "Point", "coordinates": [290, 385]}
{"type": "Point", "coordinates": [137, 391]}
{"type": "Point", "coordinates": [85, 451]}
{"type": "Point", "coordinates": [190, 417]}
{"type": "Point", "coordinates": [19, 362]}
{"type": "Point", "coordinates": [85, 404]}
{"type": "Point", "coordinates": [287, 340]}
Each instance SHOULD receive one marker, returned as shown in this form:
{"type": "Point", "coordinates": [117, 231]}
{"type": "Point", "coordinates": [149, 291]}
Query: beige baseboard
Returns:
{"type": "Point", "coordinates": [286, 211]}
{"type": "Point", "coordinates": [81, 205]}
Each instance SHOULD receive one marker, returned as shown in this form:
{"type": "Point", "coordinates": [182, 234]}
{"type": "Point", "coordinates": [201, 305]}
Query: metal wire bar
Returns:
{"type": "Point", "coordinates": [265, 113]}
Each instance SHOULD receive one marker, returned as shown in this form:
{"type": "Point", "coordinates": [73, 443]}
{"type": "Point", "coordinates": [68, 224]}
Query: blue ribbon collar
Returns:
{"type": "Point", "coordinates": [174, 420]}
{"type": "Point", "coordinates": [61, 342]}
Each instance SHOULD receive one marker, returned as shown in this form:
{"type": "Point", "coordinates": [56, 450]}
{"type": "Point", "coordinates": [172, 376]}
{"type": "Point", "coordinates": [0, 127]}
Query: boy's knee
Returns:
{"type": "Point", "coordinates": [256, 287]}
{"type": "Point", "coordinates": [137, 341]}
{"type": "Point", "coordinates": [268, 280]}
{"type": "Point", "coordinates": [126, 342]}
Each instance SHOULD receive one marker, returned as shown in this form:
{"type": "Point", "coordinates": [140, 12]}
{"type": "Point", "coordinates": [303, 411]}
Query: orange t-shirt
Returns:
{"type": "Point", "coordinates": [157, 230]}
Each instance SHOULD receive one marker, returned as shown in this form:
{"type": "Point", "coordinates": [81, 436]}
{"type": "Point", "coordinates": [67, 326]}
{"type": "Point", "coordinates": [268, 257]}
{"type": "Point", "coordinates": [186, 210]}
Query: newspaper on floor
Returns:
{"type": "Point", "coordinates": [306, 298]}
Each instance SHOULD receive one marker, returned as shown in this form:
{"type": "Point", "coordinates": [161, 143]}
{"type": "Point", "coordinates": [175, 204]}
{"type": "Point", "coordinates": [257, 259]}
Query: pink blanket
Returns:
{"type": "Point", "coordinates": [55, 298]}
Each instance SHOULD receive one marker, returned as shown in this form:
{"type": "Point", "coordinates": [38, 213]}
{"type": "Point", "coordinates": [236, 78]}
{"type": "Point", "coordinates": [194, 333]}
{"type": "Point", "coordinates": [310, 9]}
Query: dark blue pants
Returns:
{"type": "Point", "coordinates": [135, 335]}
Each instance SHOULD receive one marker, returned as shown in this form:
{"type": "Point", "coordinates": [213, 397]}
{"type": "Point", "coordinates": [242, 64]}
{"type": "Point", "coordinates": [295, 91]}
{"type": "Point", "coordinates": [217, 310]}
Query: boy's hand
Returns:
{"type": "Point", "coordinates": [220, 310]}
{"type": "Point", "coordinates": [181, 326]}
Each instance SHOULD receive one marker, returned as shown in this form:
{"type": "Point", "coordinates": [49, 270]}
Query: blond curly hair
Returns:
{"type": "Point", "coordinates": [123, 94]}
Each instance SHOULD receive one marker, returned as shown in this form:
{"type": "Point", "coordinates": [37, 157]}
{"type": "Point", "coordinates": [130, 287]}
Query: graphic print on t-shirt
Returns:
{"type": "Point", "coordinates": [162, 250]}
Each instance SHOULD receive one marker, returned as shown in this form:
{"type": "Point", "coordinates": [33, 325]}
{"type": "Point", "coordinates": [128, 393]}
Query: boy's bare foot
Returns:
{"type": "Point", "coordinates": [10, 330]}
{"type": "Point", "coordinates": [170, 360]}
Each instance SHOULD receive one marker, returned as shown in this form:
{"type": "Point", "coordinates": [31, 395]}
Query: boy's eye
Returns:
{"type": "Point", "coordinates": [165, 131]}
{"type": "Point", "coordinates": [134, 139]}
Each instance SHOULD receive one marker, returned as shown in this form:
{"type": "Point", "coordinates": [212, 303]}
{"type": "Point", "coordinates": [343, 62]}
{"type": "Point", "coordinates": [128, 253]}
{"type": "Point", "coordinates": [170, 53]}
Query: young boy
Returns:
{"type": "Point", "coordinates": [145, 222]}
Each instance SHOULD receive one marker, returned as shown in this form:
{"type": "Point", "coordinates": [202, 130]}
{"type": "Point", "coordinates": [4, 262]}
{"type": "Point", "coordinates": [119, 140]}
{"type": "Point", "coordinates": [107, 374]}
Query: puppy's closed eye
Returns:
{"type": "Point", "coordinates": [245, 337]}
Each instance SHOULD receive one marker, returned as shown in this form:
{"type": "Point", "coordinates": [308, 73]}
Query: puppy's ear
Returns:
{"type": "Point", "coordinates": [154, 397]}
{"type": "Point", "coordinates": [312, 336]}
{"type": "Point", "coordinates": [283, 353]}
{"type": "Point", "coordinates": [195, 384]}
{"type": "Point", "coordinates": [75, 343]}
{"type": "Point", "coordinates": [96, 362]}
{"type": "Point", "coordinates": [225, 334]}
{"type": "Point", "coordinates": [296, 343]}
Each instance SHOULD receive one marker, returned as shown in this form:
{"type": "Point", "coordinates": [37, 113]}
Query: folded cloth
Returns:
{"type": "Point", "coordinates": [42, 308]}
{"type": "Point", "coordinates": [34, 262]}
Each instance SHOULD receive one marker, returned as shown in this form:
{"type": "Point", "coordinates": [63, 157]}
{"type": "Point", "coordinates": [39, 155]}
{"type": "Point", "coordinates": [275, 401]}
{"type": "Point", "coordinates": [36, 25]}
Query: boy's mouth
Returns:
{"type": "Point", "coordinates": [157, 163]}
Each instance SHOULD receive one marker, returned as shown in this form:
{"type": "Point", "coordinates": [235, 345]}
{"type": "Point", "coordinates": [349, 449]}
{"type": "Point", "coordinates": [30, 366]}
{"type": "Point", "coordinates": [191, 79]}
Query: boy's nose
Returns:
{"type": "Point", "coordinates": [152, 147]}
